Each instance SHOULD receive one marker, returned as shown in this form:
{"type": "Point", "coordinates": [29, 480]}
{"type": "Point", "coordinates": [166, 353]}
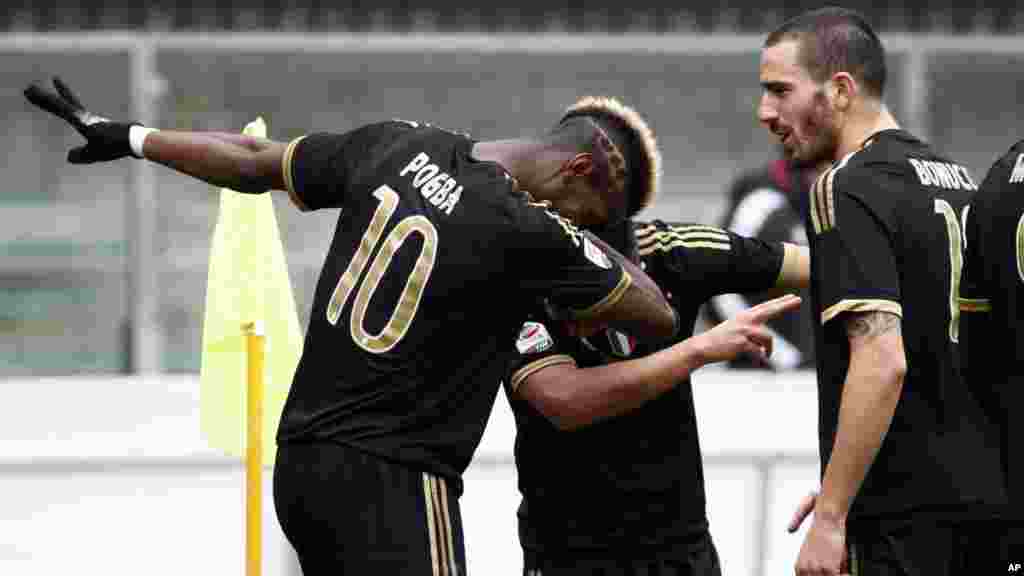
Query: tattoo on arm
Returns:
{"type": "Point", "coordinates": [870, 324]}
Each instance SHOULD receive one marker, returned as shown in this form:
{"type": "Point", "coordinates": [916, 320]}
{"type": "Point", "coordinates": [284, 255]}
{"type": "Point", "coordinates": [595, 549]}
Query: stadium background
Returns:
{"type": "Point", "coordinates": [102, 270]}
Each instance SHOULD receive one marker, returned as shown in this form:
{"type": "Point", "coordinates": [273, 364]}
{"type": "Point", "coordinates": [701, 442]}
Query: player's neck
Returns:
{"type": "Point", "coordinates": [861, 125]}
{"type": "Point", "coordinates": [531, 163]}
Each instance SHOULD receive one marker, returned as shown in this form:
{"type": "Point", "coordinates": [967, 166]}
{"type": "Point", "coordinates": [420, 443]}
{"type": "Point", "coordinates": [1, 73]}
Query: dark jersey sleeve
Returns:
{"type": "Point", "coordinates": [714, 260]}
{"type": "Point", "coordinates": [854, 260]}
{"type": "Point", "coordinates": [539, 344]}
{"type": "Point", "coordinates": [319, 167]}
{"type": "Point", "coordinates": [556, 260]}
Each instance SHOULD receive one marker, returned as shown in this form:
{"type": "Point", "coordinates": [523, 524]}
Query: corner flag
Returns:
{"type": "Point", "coordinates": [247, 284]}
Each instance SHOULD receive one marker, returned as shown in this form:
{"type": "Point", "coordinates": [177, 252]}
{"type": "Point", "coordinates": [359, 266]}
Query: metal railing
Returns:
{"type": "Point", "coordinates": [145, 342]}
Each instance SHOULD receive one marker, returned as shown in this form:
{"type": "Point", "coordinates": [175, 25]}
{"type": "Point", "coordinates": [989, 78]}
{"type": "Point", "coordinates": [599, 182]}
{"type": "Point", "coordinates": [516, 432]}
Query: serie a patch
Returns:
{"type": "Point", "coordinates": [534, 338]}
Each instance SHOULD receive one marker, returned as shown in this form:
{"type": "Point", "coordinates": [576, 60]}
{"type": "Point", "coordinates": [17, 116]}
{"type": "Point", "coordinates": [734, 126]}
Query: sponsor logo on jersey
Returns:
{"type": "Point", "coordinates": [595, 254]}
{"type": "Point", "coordinates": [943, 174]}
{"type": "Point", "coordinates": [533, 338]}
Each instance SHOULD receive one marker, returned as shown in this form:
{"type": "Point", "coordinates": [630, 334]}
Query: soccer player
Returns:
{"type": "Point", "coordinates": [436, 260]}
{"type": "Point", "coordinates": [992, 321]}
{"type": "Point", "coordinates": [607, 452]}
{"type": "Point", "coordinates": [768, 202]}
{"type": "Point", "coordinates": [905, 461]}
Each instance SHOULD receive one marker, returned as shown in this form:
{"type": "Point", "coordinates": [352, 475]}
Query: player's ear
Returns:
{"type": "Point", "coordinates": [581, 165]}
{"type": "Point", "coordinates": [842, 90]}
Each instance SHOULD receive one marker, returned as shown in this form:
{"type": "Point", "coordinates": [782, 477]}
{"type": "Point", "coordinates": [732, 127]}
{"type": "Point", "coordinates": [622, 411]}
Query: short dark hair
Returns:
{"type": "Point", "coordinates": [834, 39]}
{"type": "Point", "coordinates": [623, 145]}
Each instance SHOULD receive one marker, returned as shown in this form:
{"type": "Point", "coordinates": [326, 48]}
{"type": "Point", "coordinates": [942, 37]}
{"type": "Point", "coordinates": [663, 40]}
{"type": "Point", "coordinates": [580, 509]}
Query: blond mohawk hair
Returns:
{"type": "Point", "coordinates": [639, 150]}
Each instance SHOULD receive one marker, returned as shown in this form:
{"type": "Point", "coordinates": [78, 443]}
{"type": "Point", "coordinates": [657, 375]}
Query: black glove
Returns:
{"type": "Point", "coordinates": [106, 140]}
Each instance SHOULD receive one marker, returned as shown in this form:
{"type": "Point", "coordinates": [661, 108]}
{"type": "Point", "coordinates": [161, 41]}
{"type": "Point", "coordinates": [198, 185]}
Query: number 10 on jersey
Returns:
{"type": "Point", "coordinates": [415, 280]}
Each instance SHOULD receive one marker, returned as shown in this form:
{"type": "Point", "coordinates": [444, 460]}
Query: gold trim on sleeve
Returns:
{"type": "Point", "coordinates": [692, 237]}
{"type": "Point", "coordinates": [815, 192]}
{"type": "Point", "coordinates": [866, 305]}
{"type": "Point", "coordinates": [829, 208]}
{"type": "Point", "coordinates": [526, 371]}
{"type": "Point", "coordinates": [608, 301]}
{"type": "Point", "coordinates": [289, 179]}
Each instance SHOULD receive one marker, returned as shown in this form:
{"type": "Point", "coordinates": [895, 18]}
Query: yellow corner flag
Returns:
{"type": "Point", "coordinates": [247, 284]}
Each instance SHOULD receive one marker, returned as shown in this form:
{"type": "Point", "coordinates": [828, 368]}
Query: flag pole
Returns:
{"type": "Point", "coordinates": [255, 344]}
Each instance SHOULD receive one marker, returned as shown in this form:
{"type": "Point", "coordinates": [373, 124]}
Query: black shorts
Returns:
{"type": "Point", "coordinates": [695, 557]}
{"type": "Point", "coordinates": [928, 547]}
{"type": "Point", "coordinates": [348, 512]}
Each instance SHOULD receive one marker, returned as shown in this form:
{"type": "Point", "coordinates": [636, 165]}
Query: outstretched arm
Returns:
{"type": "Point", "coordinates": [237, 161]}
{"type": "Point", "coordinates": [572, 397]}
{"type": "Point", "coordinates": [243, 163]}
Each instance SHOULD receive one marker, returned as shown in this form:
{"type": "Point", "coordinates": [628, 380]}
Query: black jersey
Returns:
{"type": "Point", "coordinates": [435, 262]}
{"type": "Point", "coordinates": [885, 222]}
{"type": "Point", "coordinates": [992, 306]}
{"type": "Point", "coordinates": [636, 480]}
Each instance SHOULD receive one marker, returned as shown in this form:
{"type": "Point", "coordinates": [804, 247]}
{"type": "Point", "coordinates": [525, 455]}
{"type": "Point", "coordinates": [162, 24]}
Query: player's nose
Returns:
{"type": "Point", "coordinates": [767, 114]}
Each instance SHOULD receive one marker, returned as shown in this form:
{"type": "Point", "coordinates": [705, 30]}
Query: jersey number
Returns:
{"type": "Point", "coordinates": [415, 282]}
{"type": "Point", "coordinates": [956, 263]}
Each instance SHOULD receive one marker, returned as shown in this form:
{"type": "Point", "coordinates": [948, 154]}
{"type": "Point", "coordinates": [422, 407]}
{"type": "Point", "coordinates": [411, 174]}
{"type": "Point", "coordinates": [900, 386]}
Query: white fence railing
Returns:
{"type": "Point", "coordinates": [113, 473]}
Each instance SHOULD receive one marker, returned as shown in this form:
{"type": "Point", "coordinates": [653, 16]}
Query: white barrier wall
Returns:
{"type": "Point", "coordinates": [111, 475]}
